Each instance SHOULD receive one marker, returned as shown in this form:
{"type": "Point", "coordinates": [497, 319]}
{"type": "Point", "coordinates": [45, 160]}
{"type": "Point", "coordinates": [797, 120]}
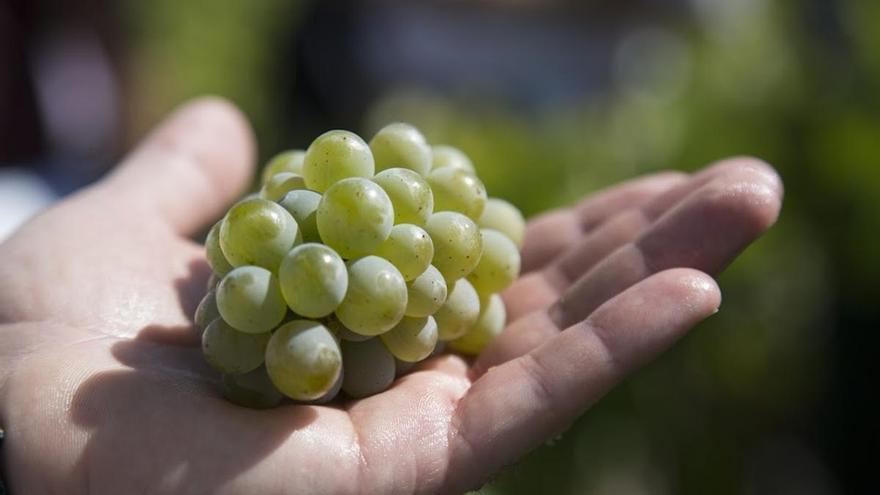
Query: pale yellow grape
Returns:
{"type": "Point", "coordinates": [458, 243]}
{"type": "Point", "coordinates": [336, 155]}
{"type": "Point", "coordinates": [401, 145]}
{"type": "Point", "coordinates": [449, 156]}
{"type": "Point", "coordinates": [333, 392]}
{"type": "Point", "coordinates": [257, 232]}
{"type": "Point", "coordinates": [303, 360]}
{"type": "Point", "coordinates": [339, 330]}
{"type": "Point", "coordinates": [376, 297]}
{"type": "Point", "coordinates": [489, 325]}
{"type": "Point", "coordinates": [214, 254]}
{"type": "Point", "coordinates": [287, 161]}
{"type": "Point", "coordinates": [460, 311]}
{"type": "Point", "coordinates": [250, 300]}
{"type": "Point", "coordinates": [206, 312]}
{"type": "Point", "coordinates": [409, 248]}
{"type": "Point", "coordinates": [231, 351]}
{"type": "Point", "coordinates": [413, 339]}
{"type": "Point", "coordinates": [410, 195]}
{"type": "Point", "coordinates": [313, 280]}
{"type": "Point", "coordinates": [354, 217]}
{"type": "Point", "coordinates": [426, 293]}
{"type": "Point", "coordinates": [302, 204]}
{"type": "Point", "coordinates": [499, 265]}
{"type": "Point", "coordinates": [369, 368]}
{"type": "Point", "coordinates": [253, 389]}
{"type": "Point", "coordinates": [505, 218]}
{"type": "Point", "coordinates": [457, 190]}
{"type": "Point", "coordinates": [280, 184]}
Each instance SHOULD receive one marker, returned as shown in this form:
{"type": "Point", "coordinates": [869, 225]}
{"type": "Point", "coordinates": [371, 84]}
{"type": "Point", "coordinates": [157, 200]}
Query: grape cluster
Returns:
{"type": "Point", "coordinates": [352, 263]}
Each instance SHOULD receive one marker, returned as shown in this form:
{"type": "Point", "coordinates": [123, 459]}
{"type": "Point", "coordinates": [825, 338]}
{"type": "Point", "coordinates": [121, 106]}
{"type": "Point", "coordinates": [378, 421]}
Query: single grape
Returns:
{"type": "Point", "coordinates": [410, 195]}
{"type": "Point", "coordinates": [342, 332]}
{"type": "Point", "coordinates": [448, 156]}
{"type": "Point", "coordinates": [505, 218]}
{"type": "Point", "coordinates": [253, 389]}
{"type": "Point", "coordinates": [333, 392]}
{"type": "Point", "coordinates": [280, 184]}
{"type": "Point", "coordinates": [231, 351]}
{"type": "Point", "coordinates": [354, 217]}
{"type": "Point", "coordinates": [336, 155]}
{"type": "Point", "coordinates": [257, 232]}
{"type": "Point", "coordinates": [426, 293]}
{"type": "Point", "coordinates": [409, 248]}
{"type": "Point", "coordinates": [302, 205]}
{"type": "Point", "coordinates": [250, 300]}
{"type": "Point", "coordinates": [313, 280]}
{"type": "Point", "coordinates": [413, 339]}
{"type": "Point", "coordinates": [457, 190]}
{"type": "Point", "coordinates": [401, 145]}
{"type": "Point", "coordinates": [369, 368]}
{"type": "Point", "coordinates": [287, 161]}
{"type": "Point", "coordinates": [458, 244]}
{"type": "Point", "coordinates": [303, 360]}
{"type": "Point", "coordinates": [499, 265]}
{"type": "Point", "coordinates": [376, 297]}
{"type": "Point", "coordinates": [216, 259]}
{"type": "Point", "coordinates": [459, 312]}
{"type": "Point", "coordinates": [489, 325]}
{"type": "Point", "coordinates": [206, 312]}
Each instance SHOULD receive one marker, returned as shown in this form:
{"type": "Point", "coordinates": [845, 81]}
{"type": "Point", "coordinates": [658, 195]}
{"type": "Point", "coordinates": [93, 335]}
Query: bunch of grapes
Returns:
{"type": "Point", "coordinates": [354, 262]}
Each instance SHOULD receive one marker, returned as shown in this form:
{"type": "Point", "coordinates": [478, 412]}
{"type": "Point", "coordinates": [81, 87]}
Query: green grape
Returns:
{"type": "Point", "coordinates": [410, 194]}
{"type": "Point", "coordinates": [216, 259]}
{"type": "Point", "coordinates": [413, 339]}
{"type": "Point", "coordinates": [409, 248]}
{"type": "Point", "coordinates": [457, 190]}
{"type": "Point", "coordinates": [342, 332]}
{"type": "Point", "coordinates": [401, 145]}
{"type": "Point", "coordinates": [250, 300]}
{"type": "Point", "coordinates": [441, 346]}
{"type": "Point", "coordinates": [280, 184]}
{"type": "Point", "coordinates": [313, 280]}
{"type": "Point", "coordinates": [253, 389]}
{"type": "Point", "coordinates": [505, 218]}
{"type": "Point", "coordinates": [448, 156]}
{"type": "Point", "coordinates": [212, 282]}
{"type": "Point", "coordinates": [489, 324]}
{"type": "Point", "coordinates": [257, 232]}
{"type": "Point", "coordinates": [369, 368]}
{"type": "Point", "coordinates": [287, 161]}
{"type": "Point", "coordinates": [499, 265]}
{"type": "Point", "coordinates": [302, 205]}
{"type": "Point", "coordinates": [231, 351]}
{"type": "Point", "coordinates": [354, 217]}
{"type": "Point", "coordinates": [333, 392]}
{"type": "Point", "coordinates": [426, 293]}
{"type": "Point", "coordinates": [458, 244]}
{"type": "Point", "coordinates": [336, 155]}
{"type": "Point", "coordinates": [459, 312]}
{"type": "Point", "coordinates": [206, 312]}
{"type": "Point", "coordinates": [376, 297]}
{"type": "Point", "coordinates": [303, 360]}
{"type": "Point", "coordinates": [402, 367]}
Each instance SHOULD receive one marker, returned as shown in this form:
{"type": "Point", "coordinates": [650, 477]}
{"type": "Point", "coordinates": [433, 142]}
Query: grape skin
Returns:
{"type": "Point", "coordinates": [409, 248]}
{"type": "Point", "coordinates": [257, 232]}
{"type": "Point", "coordinates": [206, 312]}
{"type": "Point", "coordinates": [231, 351]}
{"type": "Point", "coordinates": [336, 155]}
{"type": "Point", "coordinates": [302, 205]}
{"type": "Point", "coordinates": [313, 280]}
{"type": "Point", "coordinates": [303, 360]}
{"type": "Point", "coordinates": [354, 217]}
{"type": "Point", "coordinates": [460, 311]}
{"type": "Point", "coordinates": [458, 244]}
{"type": "Point", "coordinates": [253, 389]}
{"type": "Point", "coordinates": [286, 161]}
{"type": "Point", "coordinates": [250, 299]}
{"type": "Point", "coordinates": [505, 218]}
{"type": "Point", "coordinates": [376, 297]}
{"type": "Point", "coordinates": [426, 293]}
{"type": "Point", "coordinates": [214, 254]}
{"type": "Point", "coordinates": [342, 332]}
{"type": "Point", "coordinates": [455, 189]}
{"type": "Point", "coordinates": [280, 184]}
{"type": "Point", "coordinates": [410, 195]}
{"type": "Point", "coordinates": [412, 340]}
{"type": "Point", "coordinates": [449, 156]}
{"type": "Point", "coordinates": [489, 325]}
{"type": "Point", "coordinates": [401, 145]}
{"type": "Point", "coordinates": [369, 368]}
{"type": "Point", "coordinates": [499, 265]}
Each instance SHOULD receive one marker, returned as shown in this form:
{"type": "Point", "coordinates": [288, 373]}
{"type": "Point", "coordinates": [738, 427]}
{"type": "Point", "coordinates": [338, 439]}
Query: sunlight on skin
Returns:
{"type": "Point", "coordinates": [103, 389]}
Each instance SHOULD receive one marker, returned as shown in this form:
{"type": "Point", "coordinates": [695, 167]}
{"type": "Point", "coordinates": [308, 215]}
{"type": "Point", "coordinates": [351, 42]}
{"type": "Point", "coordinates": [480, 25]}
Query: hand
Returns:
{"type": "Point", "coordinates": [103, 389]}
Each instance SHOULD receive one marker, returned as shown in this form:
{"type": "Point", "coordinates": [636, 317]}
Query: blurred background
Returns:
{"type": "Point", "coordinates": [776, 394]}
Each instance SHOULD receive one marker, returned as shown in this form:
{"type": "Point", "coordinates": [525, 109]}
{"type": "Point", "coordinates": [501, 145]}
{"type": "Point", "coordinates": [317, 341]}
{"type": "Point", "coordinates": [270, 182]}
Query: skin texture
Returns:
{"type": "Point", "coordinates": [103, 390]}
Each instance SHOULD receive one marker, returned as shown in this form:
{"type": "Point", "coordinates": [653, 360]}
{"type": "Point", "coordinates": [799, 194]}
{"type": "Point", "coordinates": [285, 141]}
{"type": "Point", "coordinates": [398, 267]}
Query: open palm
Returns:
{"type": "Point", "coordinates": [104, 389]}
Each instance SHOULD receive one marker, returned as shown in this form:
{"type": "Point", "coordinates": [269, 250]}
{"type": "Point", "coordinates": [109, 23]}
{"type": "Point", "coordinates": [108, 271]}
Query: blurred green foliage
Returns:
{"type": "Point", "coordinates": [735, 407]}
